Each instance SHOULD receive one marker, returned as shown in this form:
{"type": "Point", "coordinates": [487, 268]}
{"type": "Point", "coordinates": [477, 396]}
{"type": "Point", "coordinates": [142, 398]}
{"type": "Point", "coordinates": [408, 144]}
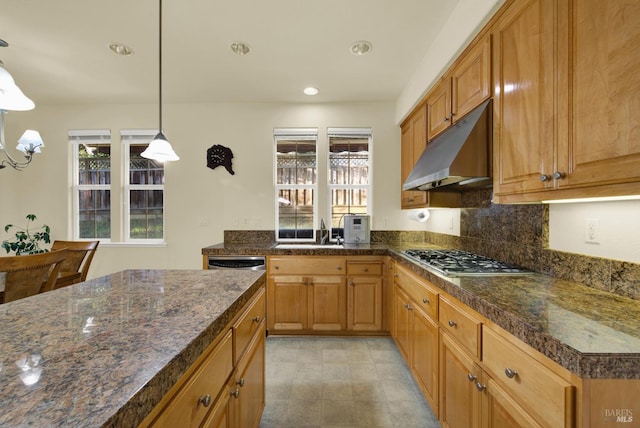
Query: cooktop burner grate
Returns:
{"type": "Point", "coordinates": [463, 263]}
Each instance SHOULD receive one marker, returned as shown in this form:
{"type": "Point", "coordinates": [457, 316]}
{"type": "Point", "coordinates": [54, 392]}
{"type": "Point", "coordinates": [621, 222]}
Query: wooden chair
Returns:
{"type": "Point", "coordinates": [76, 266]}
{"type": "Point", "coordinates": [31, 274]}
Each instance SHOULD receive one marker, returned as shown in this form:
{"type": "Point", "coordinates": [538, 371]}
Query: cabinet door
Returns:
{"type": "Point", "coordinates": [219, 415]}
{"type": "Point", "coordinates": [327, 304]}
{"type": "Point", "coordinates": [248, 394]}
{"type": "Point", "coordinates": [525, 79]}
{"type": "Point", "coordinates": [364, 303]}
{"type": "Point", "coordinates": [471, 79]}
{"type": "Point", "coordinates": [460, 399]}
{"type": "Point", "coordinates": [287, 302]}
{"type": "Point", "coordinates": [605, 145]}
{"type": "Point", "coordinates": [424, 360]}
{"type": "Point", "coordinates": [501, 411]}
{"type": "Point", "coordinates": [439, 108]}
{"type": "Point", "coordinates": [402, 314]}
{"type": "Point", "coordinates": [413, 141]}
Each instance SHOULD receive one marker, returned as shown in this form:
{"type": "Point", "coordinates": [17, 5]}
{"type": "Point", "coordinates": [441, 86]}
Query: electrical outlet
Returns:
{"type": "Point", "coordinates": [592, 230]}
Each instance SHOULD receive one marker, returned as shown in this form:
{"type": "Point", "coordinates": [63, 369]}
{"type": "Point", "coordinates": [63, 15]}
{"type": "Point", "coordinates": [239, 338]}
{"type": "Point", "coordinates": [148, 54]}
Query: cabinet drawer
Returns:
{"type": "Point", "coordinates": [421, 293]}
{"type": "Point", "coordinates": [248, 323]}
{"type": "Point", "coordinates": [307, 265]}
{"type": "Point", "coordinates": [364, 268]}
{"type": "Point", "coordinates": [460, 325]}
{"type": "Point", "coordinates": [191, 404]}
{"type": "Point", "coordinates": [544, 394]}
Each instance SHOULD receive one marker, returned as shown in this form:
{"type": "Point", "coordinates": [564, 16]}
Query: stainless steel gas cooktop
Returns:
{"type": "Point", "coordinates": [462, 263]}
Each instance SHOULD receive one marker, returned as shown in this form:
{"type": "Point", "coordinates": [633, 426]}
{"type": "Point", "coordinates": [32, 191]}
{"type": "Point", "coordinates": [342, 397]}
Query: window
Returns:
{"type": "Point", "coordinates": [91, 184]}
{"type": "Point", "coordinates": [296, 183]}
{"type": "Point", "coordinates": [349, 174]}
{"type": "Point", "coordinates": [143, 189]}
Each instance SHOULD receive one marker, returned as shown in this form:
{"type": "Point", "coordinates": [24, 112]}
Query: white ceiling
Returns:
{"type": "Point", "coordinates": [58, 50]}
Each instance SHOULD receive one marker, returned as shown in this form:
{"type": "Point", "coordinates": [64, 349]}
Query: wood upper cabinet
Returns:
{"type": "Point", "coordinates": [526, 79]}
{"type": "Point", "coordinates": [566, 100]}
{"type": "Point", "coordinates": [465, 87]}
{"type": "Point", "coordinates": [413, 140]}
{"type": "Point", "coordinates": [604, 143]}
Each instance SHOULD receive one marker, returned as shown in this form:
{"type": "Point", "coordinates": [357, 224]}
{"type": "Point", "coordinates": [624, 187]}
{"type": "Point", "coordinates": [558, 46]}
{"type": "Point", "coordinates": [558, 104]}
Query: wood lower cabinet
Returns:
{"type": "Point", "coordinates": [203, 396]}
{"type": "Point", "coordinates": [247, 391]}
{"type": "Point", "coordinates": [416, 330]}
{"type": "Point", "coordinates": [325, 294]}
{"type": "Point", "coordinates": [364, 294]}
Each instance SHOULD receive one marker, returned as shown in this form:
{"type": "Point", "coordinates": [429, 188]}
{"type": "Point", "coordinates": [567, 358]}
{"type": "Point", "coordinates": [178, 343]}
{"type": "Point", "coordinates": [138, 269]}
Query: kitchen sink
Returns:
{"type": "Point", "coordinates": [308, 246]}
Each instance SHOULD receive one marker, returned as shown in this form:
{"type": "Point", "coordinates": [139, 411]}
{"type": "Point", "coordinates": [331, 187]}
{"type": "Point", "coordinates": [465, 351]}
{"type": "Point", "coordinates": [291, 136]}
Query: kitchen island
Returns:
{"type": "Point", "coordinates": [106, 351]}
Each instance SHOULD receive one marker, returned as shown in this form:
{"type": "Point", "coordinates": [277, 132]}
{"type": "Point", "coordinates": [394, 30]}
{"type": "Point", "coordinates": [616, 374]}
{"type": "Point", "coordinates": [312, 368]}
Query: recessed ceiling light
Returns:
{"type": "Point", "coordinates": [120, 49]}
{"type": "Point", "coordinates": [240, 48]}
{"type": "Point", "coordinates": [310, 91]}
{"type": "Point", "coordinates": [361, 47]}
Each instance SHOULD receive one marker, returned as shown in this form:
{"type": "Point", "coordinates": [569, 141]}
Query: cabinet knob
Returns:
{"type": "Point", "coordinates": [446, 119]}
{"type": "Point", "coordinates": [472, 377]}
{"type": "Point", "coordinates": [452, 323]}
{"type": "Point", "coordinates": [339, 267]}
{"type": "Point", "coordinates": [276, 267]}
{"type": "Point", "coordinates": [235, 393]}
{"type": "Point", "coordinates": [240, 382]}
{"type": "Point", "coordinates": [256, 319]}
{"type": "Point", "coordinates": [480, 387]}
{"type": "Point", "coordinates": [510, 373]}
{"type": "Point", "coordinates": [558, 175]}
{"type": "Point", "coordinates": [425, 300]}
{"type": "Point", "coordinates": [365, 269]}
{"type": "Point", "coordinates": [351, 283]}
{"type": "Point", "coordinates": [545, 177]}
{"type": "Point", "coordinates": [205, 401]}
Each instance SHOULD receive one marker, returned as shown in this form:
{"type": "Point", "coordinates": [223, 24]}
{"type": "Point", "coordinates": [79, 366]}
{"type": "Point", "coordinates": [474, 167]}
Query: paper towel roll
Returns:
{"type": "Point", "coordinates": [420, 215]}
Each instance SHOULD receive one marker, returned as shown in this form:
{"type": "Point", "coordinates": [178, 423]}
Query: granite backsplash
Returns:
{"type": "Point", "coordinates": [512, 233]}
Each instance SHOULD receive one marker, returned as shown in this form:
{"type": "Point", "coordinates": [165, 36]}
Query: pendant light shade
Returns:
{"type": "Point", "coordinates": [160, 149]}
{"type": "Point", "coordinates": [11, 97]}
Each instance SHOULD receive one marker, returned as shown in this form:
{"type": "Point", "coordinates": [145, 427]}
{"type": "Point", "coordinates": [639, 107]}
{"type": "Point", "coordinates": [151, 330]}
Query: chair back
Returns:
{"type": "Point", "coordinates": [79, 257]}
{"type": "Point", "coordinates": [27, 275]}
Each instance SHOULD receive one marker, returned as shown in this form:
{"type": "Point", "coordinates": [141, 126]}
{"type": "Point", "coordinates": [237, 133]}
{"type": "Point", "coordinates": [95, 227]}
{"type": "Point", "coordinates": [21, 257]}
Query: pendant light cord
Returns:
{"type": "Point", "coordinates": [160, 66]}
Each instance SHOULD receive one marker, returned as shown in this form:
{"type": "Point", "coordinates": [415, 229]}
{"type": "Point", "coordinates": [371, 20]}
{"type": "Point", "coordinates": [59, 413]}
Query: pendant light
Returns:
{"type": "Point", "coordinates": [160, 149]}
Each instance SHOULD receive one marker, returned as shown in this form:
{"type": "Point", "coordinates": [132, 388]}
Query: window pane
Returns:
{"type": "Point", "coordinates": [296, 162]}
{"type": "Point", "coordinates": [349, 160]}
{"type": "Point", "coordinates": [295, 213]}
{"type": "Point", "coordinates": [146, 214]}
{"type": "Point", "coordinates": [94, 164]}
{"type": "Point", "coordinates": [143, 170]}
{"type": "Point", "coordinates": [346, 201]}
{"type": "Point", "coordinates": [95, 213]}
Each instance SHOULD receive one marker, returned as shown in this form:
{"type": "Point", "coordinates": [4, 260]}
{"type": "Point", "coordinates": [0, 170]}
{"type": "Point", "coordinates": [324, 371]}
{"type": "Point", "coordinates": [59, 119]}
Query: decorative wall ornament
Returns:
{"type": "Point", "coordinates": [218, 155]}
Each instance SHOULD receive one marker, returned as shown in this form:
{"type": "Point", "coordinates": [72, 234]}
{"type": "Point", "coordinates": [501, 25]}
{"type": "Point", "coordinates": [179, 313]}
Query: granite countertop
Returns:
{"type": "Point", "coordinates": [105, 351]}
{"type": "Point", "coordinates": [592, 333]}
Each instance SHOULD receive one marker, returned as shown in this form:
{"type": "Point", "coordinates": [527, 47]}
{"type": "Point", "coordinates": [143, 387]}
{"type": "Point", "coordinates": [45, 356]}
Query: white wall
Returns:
{"type": "Point", "coordinates": [618, 224]}
{"type": "Point", "coordinates": [200, 203]}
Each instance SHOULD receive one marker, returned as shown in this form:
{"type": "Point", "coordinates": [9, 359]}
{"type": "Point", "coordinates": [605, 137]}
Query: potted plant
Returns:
{"type": "Point", "coordinates": [27, 241]}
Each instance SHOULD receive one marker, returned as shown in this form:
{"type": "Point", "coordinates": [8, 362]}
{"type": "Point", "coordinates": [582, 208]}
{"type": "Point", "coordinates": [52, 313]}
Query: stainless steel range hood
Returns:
{"type": "Point", "coordinates": [459, 158]}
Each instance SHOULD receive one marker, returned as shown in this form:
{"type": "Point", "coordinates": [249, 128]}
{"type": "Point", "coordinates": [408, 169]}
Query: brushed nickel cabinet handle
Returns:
{"type": "Point", "coordinates": [472, 377]}
{"type": "Point", "coordinates": [480, 387]}
{"type": "Point", "coordinates": [558, 175]}
{"type": "Point", "coordinates": [256, 319]}
{"type": "Point", "coordinates": [425, 300]}
{"type": "Point", "coordinates": [240, 382]}
{"type": "Point", "coordinates": [452, 323]}
{"type": "Point", "coordinates": [235, 393]}
{"type": "Point", "coordinates": [205, 401]}
{"type": "Point", "coordinates": [365, 269]}
{"type": "Point", "coordinates": [545, 177]}
{"type": "Point", "coordinates": [510, 373]}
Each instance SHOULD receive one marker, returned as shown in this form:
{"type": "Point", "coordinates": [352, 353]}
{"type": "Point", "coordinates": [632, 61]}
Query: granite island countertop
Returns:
{"type": "Point", "coordinates": [105, 351]}
{"type": "Point", "coordinates": [592, 333]}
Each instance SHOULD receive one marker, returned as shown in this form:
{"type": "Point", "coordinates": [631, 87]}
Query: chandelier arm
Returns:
{"type": "Point", "coordinates": [10, 161]}
{"type": "Point", "coordinates": [160, 67]}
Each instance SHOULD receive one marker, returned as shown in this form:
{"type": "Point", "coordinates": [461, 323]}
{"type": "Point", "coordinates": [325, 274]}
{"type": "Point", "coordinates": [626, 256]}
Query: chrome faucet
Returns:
{"type": "Point", "coordinates": [324, 233]}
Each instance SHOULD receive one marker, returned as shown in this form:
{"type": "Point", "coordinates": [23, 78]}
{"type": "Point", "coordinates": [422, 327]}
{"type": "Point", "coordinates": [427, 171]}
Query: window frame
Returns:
{"type": "Point", "coordinates": [76, 138]}
{"type": "Point", "coordinates": [128, 138]}
{"type": "Point", "coordinates": [310, 134]}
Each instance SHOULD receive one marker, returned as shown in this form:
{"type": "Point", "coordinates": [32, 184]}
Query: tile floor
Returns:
{"type": "Point", "coordinates": [343, 382]}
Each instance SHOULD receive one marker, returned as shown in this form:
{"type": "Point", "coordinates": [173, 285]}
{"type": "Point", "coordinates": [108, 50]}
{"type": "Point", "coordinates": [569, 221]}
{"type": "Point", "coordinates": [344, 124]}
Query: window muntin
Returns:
{"type": "Point", "coordinates": [91, 184]}
{"type": "Point", "coordinates": [349, 175]}
{"type": "Point", "coordinates": [296, 183]}
{"type": "Point", "coordinates": [143, 190]}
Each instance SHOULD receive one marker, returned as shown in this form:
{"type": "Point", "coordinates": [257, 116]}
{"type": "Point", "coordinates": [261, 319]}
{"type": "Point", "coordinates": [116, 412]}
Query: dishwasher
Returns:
{"type": "Point", "coordinates": [237, 262]}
